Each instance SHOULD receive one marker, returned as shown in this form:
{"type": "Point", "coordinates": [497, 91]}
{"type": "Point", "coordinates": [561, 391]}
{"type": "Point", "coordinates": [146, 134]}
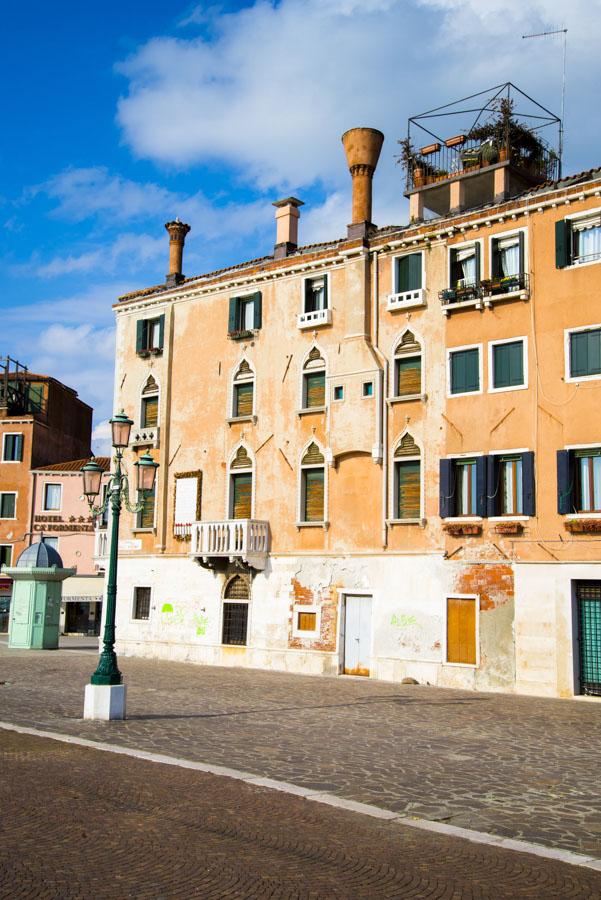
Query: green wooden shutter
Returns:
{"type": "Point", "coordinates": [409, 376]}
{"type": "Point", "coordinates": [585, 353]}
{"type": "Point", "coordinates": [508, 364]}
{"type": "Point", "coordinates": [242, 495]}
{"type": "Point", "coordinates": [141, 335]}
{"type": "Point", "coordinates": [243, 405]}
{"type": "Point", "coordinates": [493, 485]}
{"type": "Point", "coordinates": [19, 447]}
{"type": "Point", "coordinates": [258, 309]}
{"type": "Point", "coordinates": [563, 243]}
{"type": "Point", "coordinates": [481, 468]}
{"type": "Point", "coordinates": [565, 482]}
{"type": "Point", "coordinates": [465, 372]}
{"type": "Point", "coordinates": [146, 514]}
{"type": "Point", "coordinates": [522, 247]}
{"type": "Point", "coordinates": [232, 324]}
{"type": "Point", "coordinates": [313, 495]}
{"type": "Point", "coordinates": [478, 262]}
{"type": "Point", "coordinates": [161, 331]}
{"type": "Point", "coordinates": [528, 491]}
{"type": "Point", "coordinates": [495, 264]}
{"type": "Point", "coordinates": [409, 272]}
{"type": "Point", "coordinates": [408, 489]}
{"type": "Point", "coordinates": [447, 489]}
{"type": "Point", "coordinates": [315, 387]}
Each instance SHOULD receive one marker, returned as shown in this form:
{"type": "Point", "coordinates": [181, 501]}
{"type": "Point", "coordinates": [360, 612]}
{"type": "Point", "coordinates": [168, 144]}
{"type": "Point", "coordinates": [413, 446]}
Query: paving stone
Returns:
{"type": "Point", "coordinates": [113, 827]}
{"type": "Point", "coordinates": [518, 767]}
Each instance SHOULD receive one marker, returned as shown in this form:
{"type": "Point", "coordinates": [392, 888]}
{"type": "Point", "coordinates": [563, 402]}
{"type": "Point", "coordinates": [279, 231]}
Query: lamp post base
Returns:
{"type": "Point", "coordinates": [104, 702]}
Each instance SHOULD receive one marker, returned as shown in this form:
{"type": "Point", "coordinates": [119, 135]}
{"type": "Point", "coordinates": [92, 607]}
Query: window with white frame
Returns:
{"type": "Point", "coordinates": [243, 391]}
{"type": "Point", "coordinates": [587, 472]}
{"type": "Point", "coordinates": [314, 381]}
{"type": "Point", "coordinates": [465, 370]}
{"type": "Point", "coordinates": [150, 404]}
{"type": "Point", "coordinates": [145, 517]}
{"type": "Point", "coordinates": [150, 335]}
{"type": "Point", "coordinates": [508, 265]}
{"type": "Point", "coordinates": [407, 480]}
{"type": "Point", "coordinates": [53, 494]}
{"type": "Point", "coordinates": [8, 505]}
{"type": "Point", "coordinates": [245, 314]}
{"type": "Point", "coordinates": [508, 364]}
{"type": "Point", "coordinates": [586, 239]}
{"type": "Point", "coordinates": [51, 542]}
{"type": "Point", "coordinates": [464, 263]}
{"type": "Point", "coordinates": [408, 273]}
{"type": "Point", "coordinates": [241, 485]}
{"type": "Point", "coordinates": [583, 348]}
{"type": "Point", "coordinates": [408, 366]}
{"type": "Point", "coordinates": [12, 447]}
{"type": "Point", "coordinates": [315, 297]}
{"type": "Point", "coordinates": [312, 500]}
{"type": "Point", "coordinates": [306, 621]}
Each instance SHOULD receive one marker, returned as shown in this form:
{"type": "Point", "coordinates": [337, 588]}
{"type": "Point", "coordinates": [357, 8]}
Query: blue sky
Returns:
{"type": "Point", "coordinates": [119, 116]}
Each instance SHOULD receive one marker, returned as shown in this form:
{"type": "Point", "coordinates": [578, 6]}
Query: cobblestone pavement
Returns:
{"type": "Point", "coordinates": [82, 823]}
{"type": "Point", "coordinates": [513, 766]}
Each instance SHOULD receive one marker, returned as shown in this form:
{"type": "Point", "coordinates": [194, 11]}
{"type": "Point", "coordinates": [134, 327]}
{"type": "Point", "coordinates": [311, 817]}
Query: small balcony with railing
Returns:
{"type": "Point", "coordinates": [485, 148]}
{"type": "Point", "coordinates": [245, 540]}
{"type": "Point", "coordinates": [101, 547]}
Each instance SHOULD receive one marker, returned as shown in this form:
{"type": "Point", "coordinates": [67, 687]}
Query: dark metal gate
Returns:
{"type": "Point", "coordinates": [588, 597]}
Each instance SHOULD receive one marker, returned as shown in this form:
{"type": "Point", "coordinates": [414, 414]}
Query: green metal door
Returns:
{"type": "Point", "coordinates": [588, 595]}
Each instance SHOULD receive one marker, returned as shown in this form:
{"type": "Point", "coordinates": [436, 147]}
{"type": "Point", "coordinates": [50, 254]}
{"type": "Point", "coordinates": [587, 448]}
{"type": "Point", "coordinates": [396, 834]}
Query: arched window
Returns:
{"type": "Point", "coordinates": [150, 404]}
{"type": "Point", "coordinates": [243, 391]}
{"type": "Point", "coordinates": [408, 366]}
{"type": "Point", "coordinates": [312, 500]}
{"type": "Point", "coordinates": [314, 381]}
{"type": "Point", "coordinates": [235, 611]}
{"type": "Point", "coordinates": [407, 479]}
{"type": "Point", "coordinates": [241, 485]}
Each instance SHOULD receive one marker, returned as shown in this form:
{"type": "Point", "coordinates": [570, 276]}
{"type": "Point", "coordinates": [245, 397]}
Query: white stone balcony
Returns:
{"type": "Point", "coordinates": [147, 436]}
{"type": "Point", "coordinates": [406, 299]}
{"type": "Point", "coordinates": [243, 539]}
{"type": "Point", "coordinates": [315, 318]}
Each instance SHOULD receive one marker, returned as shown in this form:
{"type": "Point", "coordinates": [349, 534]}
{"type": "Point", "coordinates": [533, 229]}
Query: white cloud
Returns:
{"type": "Point", "coordinates": [273, 89]}
{"type": "Point", "coordinates": [101, 439]}
{"type": "Point", "coordinates": [127, 253]}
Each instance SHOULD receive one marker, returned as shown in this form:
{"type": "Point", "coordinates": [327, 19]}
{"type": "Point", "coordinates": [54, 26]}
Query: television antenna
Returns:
{"type": "Point", "coordinates": [543, 34]}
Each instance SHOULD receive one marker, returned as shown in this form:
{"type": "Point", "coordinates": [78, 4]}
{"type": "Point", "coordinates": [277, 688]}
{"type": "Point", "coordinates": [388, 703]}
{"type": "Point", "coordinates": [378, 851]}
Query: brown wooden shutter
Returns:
{"type": "Point", "coordinates": [316, 389]}
{"type": "Point", "coordinates": [306, 621]}
{"type": "Point", "coordinates": [242, 489]}
{"type": "Point", "coordinates": [244, 399]}
{"type": "Point", "coordinates": [150, 412]}
{"type": "Point", "coordinates": [408, 482]}
{"type": "Point", "coordinates": [461, 630]}
{"type": "Point", "coordinates": [314, 495]}
{"type": "Point", "coordinates": [146, 514]}
{"type": "Point", "coordinates": [409, 376]}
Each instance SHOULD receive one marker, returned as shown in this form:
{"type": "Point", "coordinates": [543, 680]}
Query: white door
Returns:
{"type": "Point", "coordinates": [357, 635]}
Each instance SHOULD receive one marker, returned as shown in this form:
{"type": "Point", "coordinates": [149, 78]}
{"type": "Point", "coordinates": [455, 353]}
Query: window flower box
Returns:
{"type": "Point", "coordinates": [241, 335]}
{"type": "Point", "coordinates": [509, 528]}
{"type": "Point", "coordinates": [144, 354]}
{"type": "Point", "coordinates": [463, 528]}
{"type": "Point", "coordinates": [583, 526]}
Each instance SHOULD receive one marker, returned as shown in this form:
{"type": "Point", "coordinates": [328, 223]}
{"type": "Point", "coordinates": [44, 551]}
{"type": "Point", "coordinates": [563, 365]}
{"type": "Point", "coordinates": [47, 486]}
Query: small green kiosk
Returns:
{"type": "Point", "coordinates": [37, 589]}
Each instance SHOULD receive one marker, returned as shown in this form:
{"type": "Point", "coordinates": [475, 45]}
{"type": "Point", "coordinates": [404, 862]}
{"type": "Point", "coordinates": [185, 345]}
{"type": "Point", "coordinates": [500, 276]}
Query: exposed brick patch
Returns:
{"type": "Point", "coordinates": [494, 584]}
{"type": "Point", "coordinates": [327, 600]}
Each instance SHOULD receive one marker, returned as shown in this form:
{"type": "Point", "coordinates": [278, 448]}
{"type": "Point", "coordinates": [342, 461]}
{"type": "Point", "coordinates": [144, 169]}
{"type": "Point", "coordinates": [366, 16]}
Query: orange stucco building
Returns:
{"type": "Point", "coordinates": [379, 455]}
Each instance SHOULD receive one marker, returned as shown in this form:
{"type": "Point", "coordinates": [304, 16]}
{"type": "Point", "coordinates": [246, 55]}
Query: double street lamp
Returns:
{"type": "Point", "coordinates": [105, 695]}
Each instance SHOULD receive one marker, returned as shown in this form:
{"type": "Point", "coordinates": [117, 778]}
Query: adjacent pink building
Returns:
{"type": "Point", "coordinates": [60, 514]}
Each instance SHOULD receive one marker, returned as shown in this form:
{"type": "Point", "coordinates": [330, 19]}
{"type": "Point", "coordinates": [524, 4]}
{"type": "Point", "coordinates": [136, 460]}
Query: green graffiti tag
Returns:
{"type": "Point", "coordinates": [402, 621]}
{"type": "Point", "coordinates": [201, 622]}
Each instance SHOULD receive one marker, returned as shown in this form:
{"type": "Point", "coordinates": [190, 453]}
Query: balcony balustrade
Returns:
{"type": "Point", "coordinates": [144, 436]}
{"type": "Point", "coordinates": [101, 547]}
{"type": "Point", "coordinates": [246, 540]}
{"type": "Point", "coordinates": [315, 318]}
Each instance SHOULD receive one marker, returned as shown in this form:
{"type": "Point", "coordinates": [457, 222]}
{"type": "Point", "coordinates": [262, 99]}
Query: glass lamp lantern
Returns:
{"type": "Point", "coordinates": [120, 428]}
{"type": "Point", "coordinates": [146, 468]}
{"type": "Point", "coordinates": [92, 478]}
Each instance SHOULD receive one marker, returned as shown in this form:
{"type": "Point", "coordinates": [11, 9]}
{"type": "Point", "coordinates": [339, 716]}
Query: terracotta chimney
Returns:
{"type": "Point", "coordinates": [286, 217]}
{"type": "Point", "coordinates": [177, 236]}
{"type": "Point", "coordinates": [362, 147]}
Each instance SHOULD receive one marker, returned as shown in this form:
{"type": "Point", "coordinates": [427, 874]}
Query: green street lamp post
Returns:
{"type": "Point", "coordinates": [105, 695]}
